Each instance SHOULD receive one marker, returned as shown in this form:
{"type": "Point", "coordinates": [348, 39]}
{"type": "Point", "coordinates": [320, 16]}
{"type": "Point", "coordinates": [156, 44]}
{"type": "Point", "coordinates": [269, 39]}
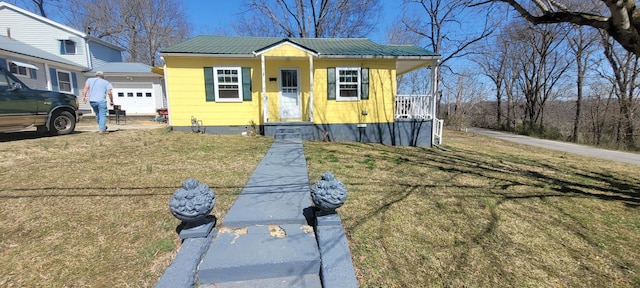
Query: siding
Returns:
{"type": "Point", "coordinates": [43, 75]}
{"type": "Point", "coordinates": [286, 50]}
{"type": "Point", "coordinates": [185, 83]}
{"type": "Point", "coordinates": [101, 54]}
{"type": "Point", "coordinates": [381, 94]}
{"type": "Point", "coordinates": [30, 31]}
{"type": "Point", "coordinates": [40, 81]}
{"type": "Point", "coordinates": [158, 94]}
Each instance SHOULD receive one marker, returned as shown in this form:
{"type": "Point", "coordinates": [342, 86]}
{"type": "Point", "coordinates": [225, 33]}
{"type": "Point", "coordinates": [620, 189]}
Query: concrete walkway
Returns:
{"type": "Point", "coordinates": [271, 236]}
{"type": "Point", "coordinates": [265, 239]}
{"type": "Point", "coordinates": [618, 156]}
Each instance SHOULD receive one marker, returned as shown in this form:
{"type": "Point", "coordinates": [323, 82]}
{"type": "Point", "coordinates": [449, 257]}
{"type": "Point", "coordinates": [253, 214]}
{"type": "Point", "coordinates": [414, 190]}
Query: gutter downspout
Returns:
{"type": "Point", "coordinates": [47, 76]}
{"type": "Point", "coordinates": [86, 47]}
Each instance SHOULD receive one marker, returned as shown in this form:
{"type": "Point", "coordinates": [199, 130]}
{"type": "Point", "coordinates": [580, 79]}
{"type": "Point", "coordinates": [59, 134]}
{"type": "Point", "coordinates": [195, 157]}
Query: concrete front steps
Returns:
{"type": "Point", "coordinates": [261, 256]}
{"type": "Point", "coordinates": [283, 132]}
{"type": "Point", "coordinates": [266, 239]}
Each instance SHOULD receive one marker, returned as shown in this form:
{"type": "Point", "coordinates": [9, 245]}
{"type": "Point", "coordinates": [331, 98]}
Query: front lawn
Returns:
{"type": "Point", "coordinates": [90, 210]}
{"type": "Point", "coordinates": [485, 213]}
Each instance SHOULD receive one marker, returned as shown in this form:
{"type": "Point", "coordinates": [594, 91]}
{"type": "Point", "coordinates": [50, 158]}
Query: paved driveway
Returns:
{"type": "Point", "coordinates": [625, 157]}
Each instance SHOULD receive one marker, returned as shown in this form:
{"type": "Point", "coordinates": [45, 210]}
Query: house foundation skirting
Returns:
{"type": "Point", "coordinates": [399, 133]}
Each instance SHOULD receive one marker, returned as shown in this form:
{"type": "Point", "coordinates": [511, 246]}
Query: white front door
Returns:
{"type": "Point", "coordinates": [290, 106]}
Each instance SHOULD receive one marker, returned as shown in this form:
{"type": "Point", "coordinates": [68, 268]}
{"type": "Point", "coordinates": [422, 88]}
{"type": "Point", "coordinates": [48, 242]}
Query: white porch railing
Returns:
{"type": "Point", "coordinates": [419, 107]}
{"type": "Point", "coordinates": [438, 131]}
{"type": "Point", "coordinates": [414, 107]}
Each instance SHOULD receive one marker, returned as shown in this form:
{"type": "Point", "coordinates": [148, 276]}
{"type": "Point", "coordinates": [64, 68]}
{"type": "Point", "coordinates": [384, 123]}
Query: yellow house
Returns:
{"type": "Point", "coordinates": [313, 88]}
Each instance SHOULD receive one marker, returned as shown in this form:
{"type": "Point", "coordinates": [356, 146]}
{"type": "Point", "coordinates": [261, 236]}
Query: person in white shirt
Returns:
{"type": "Point", "coordinates": [98, 89]}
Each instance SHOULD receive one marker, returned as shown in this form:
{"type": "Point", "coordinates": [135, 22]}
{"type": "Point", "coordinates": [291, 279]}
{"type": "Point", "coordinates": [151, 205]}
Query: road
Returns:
{"type": "Point", "coordinates": [618, 156]}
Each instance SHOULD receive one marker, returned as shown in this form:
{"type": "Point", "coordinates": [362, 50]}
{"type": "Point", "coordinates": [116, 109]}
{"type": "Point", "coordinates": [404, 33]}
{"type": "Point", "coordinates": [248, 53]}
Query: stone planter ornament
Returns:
{"type": "Point", "coordinates": [192, 204]}
{"type": "Point", "coordinates": [329, 193]}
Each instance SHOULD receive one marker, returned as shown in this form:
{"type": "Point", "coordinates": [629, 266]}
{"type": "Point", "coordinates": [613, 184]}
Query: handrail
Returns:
{"type": "Point", "coordinates": [438, 131]}
{"type": "Point", "coordinates": [414, 107]}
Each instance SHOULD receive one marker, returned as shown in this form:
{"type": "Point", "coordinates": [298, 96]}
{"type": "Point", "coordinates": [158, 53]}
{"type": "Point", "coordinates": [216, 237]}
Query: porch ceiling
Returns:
{"type": "Point", "coordinates": [407, 65]}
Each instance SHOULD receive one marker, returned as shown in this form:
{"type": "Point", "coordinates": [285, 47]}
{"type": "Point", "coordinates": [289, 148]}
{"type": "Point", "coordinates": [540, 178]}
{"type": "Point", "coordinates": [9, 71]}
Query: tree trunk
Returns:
{"type": "Point", "coordinates": [576, 122]}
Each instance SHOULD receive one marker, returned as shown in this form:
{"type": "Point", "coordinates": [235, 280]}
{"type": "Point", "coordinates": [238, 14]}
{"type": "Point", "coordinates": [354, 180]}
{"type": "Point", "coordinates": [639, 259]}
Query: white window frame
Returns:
{"type": "Point", "coordinates": [17, 71]}
{"type": "Point", "coordinates": [64, 47]}
{"type": "Point", "coordinates": [70, 81]}
{"type": "Point", "coordinates": [217, 85]}
{"type": "Point", "coordinates": [339, 83]}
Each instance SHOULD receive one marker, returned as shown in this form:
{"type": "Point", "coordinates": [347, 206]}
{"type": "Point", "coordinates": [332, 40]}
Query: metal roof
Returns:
{"type": "Point", "coordinates": [123, 68]}
{"type": "Point", "coordinates": [17, 47]}
{"type": "Point", "coordinates": [347, 47]}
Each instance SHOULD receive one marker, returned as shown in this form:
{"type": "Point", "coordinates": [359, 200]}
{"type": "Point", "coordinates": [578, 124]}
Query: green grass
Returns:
{"type": "Point", "coordinates": [89, 210]}
{"type": "Point", "coordinates": [486, 213]}
{"type": "Point", "coordinates": [92, 210]}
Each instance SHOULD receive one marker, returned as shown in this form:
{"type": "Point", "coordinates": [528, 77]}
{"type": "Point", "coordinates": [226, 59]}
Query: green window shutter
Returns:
{"type": "Point", "coordinates": [364, 84]}
{"type": "Point", "coordinates": [331, 83]}
{"type": "Point", "coordinates": [246, 83]}
{"type": "Point", "coordinates": [209, 88]}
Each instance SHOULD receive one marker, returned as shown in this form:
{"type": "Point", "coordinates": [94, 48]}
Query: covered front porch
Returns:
{"type": "Point", "coordinates": [408, 132]}
{"type": "Point", "coordinates": [419, 107]}
{"type": "Point", "coordinates": [413, 126]}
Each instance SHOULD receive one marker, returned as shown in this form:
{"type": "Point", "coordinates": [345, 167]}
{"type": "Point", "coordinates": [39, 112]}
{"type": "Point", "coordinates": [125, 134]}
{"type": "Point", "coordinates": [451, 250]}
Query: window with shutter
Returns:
{"type": "Point", "coordinates": [227, 84]}
{"type": "Point", "coordinates": [348, 83]}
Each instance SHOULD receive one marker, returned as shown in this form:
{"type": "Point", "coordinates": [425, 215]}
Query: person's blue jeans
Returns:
{"type": "Point", "coordinates": [100, 109]}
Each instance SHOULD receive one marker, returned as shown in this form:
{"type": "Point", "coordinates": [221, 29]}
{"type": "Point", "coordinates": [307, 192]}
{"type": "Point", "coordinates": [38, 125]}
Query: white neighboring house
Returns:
{"type": "Point", "coordinates": [49, 55]}
{"type": "Point", "coordinates": [40, 69]}
{"type": "Point", "coordinates": [135, 87]}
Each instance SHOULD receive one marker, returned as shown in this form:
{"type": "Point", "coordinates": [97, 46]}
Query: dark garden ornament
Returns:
{"type": "Point", "coordinates": [193, 202]}
{"type": "Point", "coordinates": [328, 193]}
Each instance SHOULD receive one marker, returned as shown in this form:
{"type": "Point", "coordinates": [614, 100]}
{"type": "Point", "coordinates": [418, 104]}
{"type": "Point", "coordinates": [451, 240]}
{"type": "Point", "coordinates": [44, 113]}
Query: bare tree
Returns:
{"type": "Point", "coordinates": [598, 111]}
{"type": "Point", "coordinates": [142, 26]}
{"type": "Point", "coordinates": [541, 65]}
{"type": "Point", "coordinates": [308, 18]}
{"type": "Point", "coordinates": [468, 92]}
{"type": "Point", "coordinates": [38, 6]}
{"type": "Point", "coordinates": [493, 63]}
{"type": "Point", "coordinates": [625, 67]}
{"type": "Point", "coordinates": [582, 44]}
{"type": "Point", "coordinates": [619, 18]}
{"type": "Point", "coordinates": [439, 25]}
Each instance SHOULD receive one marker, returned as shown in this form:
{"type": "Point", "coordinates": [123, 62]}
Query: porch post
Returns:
{"type": "Point", "coordinates": [264, 92]}
{"type": "Point", "coordinates": [311, 88]}
{"type": "Point", "coordinates": [166, 90]}
{"type": "Point", "coordinates": [434, 95]}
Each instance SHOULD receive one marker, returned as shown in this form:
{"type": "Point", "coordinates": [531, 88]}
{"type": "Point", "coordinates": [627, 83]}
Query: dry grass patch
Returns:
{"type": "Point", "coordinates": [485, 213]}
{"type": "Point", "coordinates": [92, 210]}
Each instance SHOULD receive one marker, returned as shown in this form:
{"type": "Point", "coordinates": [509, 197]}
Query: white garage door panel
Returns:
{"type": "Point", "coordinates": [135, 98]}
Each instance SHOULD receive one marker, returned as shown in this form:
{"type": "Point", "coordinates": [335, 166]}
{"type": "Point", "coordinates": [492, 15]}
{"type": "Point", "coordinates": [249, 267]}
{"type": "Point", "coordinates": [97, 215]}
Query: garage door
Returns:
{"type": "Point", "coordinates": [135, 98]}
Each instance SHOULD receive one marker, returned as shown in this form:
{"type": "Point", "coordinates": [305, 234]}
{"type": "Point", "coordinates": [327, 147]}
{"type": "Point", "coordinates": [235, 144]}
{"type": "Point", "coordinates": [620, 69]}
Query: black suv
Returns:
{"type": "Point", "coordinates": [51, 112]}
